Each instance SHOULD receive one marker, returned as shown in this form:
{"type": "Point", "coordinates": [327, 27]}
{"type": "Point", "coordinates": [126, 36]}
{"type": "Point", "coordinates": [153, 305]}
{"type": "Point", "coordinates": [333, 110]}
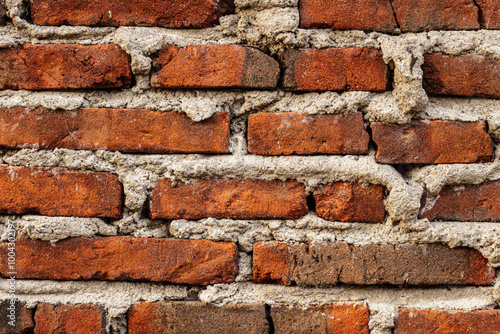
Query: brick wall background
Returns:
{"type": "Point", "coordinates": [262, 166]}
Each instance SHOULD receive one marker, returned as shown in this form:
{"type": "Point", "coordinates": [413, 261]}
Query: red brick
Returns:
{"type": "Point", "coordinates": [467, 203]}
{"type": "Point", "coordinates": [490, 10]}
{"type": "Point", "coordinates": [298, 133]}
{"type": "Point", "coordinates": [214, 66]}
{"type": "Point", "coordinates": [419, 15]}
{"type": "Point", "coordinates": [128, 130]}
{"type": "Point", "coordinates": [74, 319]}
{"type": "Point", "coordinates": [465, 75]}
{"type": "Point", "coordinates": [335, 69]}
{"type": "Point", "coordinates": [350, 202]}
{"type": "Point", "coordinates": [59, 192]}
{"type": "Point", "coordinates": [196, 317]}
{"type": "Point", "coordinates": [432, 142]}
{"type": "Point", "coordinates": [63, 66]}
{"type": "Point", "coordinates": [347, 15]}
{"type": "Point", "coordinates": [411, 321]}
{"type": "Point", "coordinates": [327, 264]}
{"type": "Point", "coordinates": [236, 199]}
{"type": "Point", "coordinates": [20, 316]}
{"type": "Point", "coordinates": [328, 319]}
{"type": "Point", "coordinates": [126, 259]}
{"type": "Point", "coordinates": [170, 13]}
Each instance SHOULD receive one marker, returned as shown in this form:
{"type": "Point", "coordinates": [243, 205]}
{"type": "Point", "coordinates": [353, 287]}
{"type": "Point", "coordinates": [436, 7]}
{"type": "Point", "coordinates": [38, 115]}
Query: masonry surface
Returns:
{"type": "Point", "coordinates": [250, 166]}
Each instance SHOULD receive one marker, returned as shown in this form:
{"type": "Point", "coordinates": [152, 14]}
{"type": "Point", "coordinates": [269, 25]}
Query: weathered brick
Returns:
{"type": "Point", "coordinates": [3, 12]}
{"type": "Point", "coordinates": [196, 317]}
{"type": "Point", "coordinates": [59, 192]}
{"type": "Point", "coordinates": [490, 10]}
{"type": "Point", "coordinates": [432, 142]}
{"type": "Point", "coordinates": [326, 264]}
{"type": "Point", "coordinates": [350, 202]}
{"type": "Point", "coordinates": [128, 130]}
{"type": "Point", "coordinates": [419, 15]}
{"type": "Point", "coordinates": [327, 319]}
{"type": "Point", "coordinates": [60, 66]}
{"type": "Point", "coordinates": [214, 66]}
{"type": "Point", "coordinates": [467, 203]}
{"type": "Point", "coordinates": [236, 199]}
{"type": "Point", "coordinates": [19, 320]}
{"type": "Point", "coordinates": [168, 13]}
{"type": "Point", "coordinates": [298, 133]}
{"type": "Point", "coordinates": [411, 321]}
{"type": "Point", "coordinates": [74, 319]}
{"type": "Point", "coordinates": [123, 258]}
{"type": "Point", "coordinates": [347, 15]}
{"type": "Point", "coordinates": [464, 75]}
{"type": "Point", "coordinates": [335, 69]}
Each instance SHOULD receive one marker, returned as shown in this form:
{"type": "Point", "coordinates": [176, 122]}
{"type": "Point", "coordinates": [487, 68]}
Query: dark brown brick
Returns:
{"type": "Point", "coordinates": [490, 11]}
{"type": "Point", "coordinates": [127, 130]}
{"type": "Point", "coordinates": [61, 66]}
{"type": "Point", "coordinates": [74, 319]}
{"type": "Point", "coordinates": [298, 133]}
{"type": "Point", "coordinates": [467, 203]}
{"type": "Point", "coordinates": [15, 318]}
{"type": "Point", "coordinates": [126, 259]}
{"type": "Point", "coordinates": [236, 199]}
{"type": "Point", "coordinates": [350, 202]}
{"type": "Point", "coordinates": [326, 264]}
{"type": "Point", "coordinates": [168, 13]}
{"type": "Point", "coordinates": [3, 12]}
{"type": "Point", "coordinates": [432, 142]}
{"type": "Point", "coordinates": [411, 321]}
{"type": "Point", "coordinates": [59, 192]}
{"type": "Point", "coordinates": [347, 15]}
{"type": "Point", "coordinates": [335, 69]}
{"type": "Point", "coordinates": [214, 66]}
{"type": "Point", "coordinates": [327, 319]}
{"type": "Point", "coordinates": [196, 317]}
{"type": "Point", "coordinates": [465, 75]}
{"type": "Point", "coordinates": [419, 15]}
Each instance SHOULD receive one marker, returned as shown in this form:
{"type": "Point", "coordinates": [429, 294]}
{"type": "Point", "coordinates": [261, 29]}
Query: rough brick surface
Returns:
{"type": "Point", "coordinates": [59, 192]}
{"type": "Point", "coordinates": [21, 316]}
{"type": "Point", "coordinates": [123, 258]}
{"type": "Point", "coordinates": [74, 319]}
{"type": "Point", "coordinates": [464, 75]}
{"type": "Point", "coordinates": [335, 69]}
{"type": "Point", "coordinates": [60, 66]}
{"type": "Point", "coordinates": [325, 264]}
{"type": "Point", "coordinates": [410, 321]}
{"type": "Point", "coordinates": [298, 133]}
{"type": "Point", "coordinates": [467, 203]}
{"type": "Point", "coordinates": [128, 130]}
{"type": "Point", "coordinates": [214, 66]}
{"type": "Point", "coordinates": [347, 15]}
{"type": "Point", "coordinates": [432, 142]}
{"type": "Point", "coordinates": [3, 12]}
{"type": "Point", "coordinates": [236, 199]}
{"type": "Point", "coordinates": [167, 13]}
{"type": "Point", "coordinates": [350, 202]}
{"type": "Point", "coordinates": [419, 15]}
{"type": "Point", "coordinates": [490, 10]}
{"type": "Point", "coordinates": [327, 319]}
{"type": "Point", "coordinates": [196, 317]}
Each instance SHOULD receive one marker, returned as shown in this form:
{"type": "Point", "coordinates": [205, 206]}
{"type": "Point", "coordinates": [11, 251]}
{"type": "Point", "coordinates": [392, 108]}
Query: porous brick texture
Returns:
{"type": "Point", "coordinates": [172, 14]}
{"type": "Point", "coordinates": [124, 258]}
{"type": "Point", "coordinates": [60, 192]}
{"type": "Point", "coordinates": [77, 319]}
{"type": "Point", "coordinates": [326, 264]}
{"type": "Point", "coordinates": [37, 67]}
{"type": "Point", "coordinates": [126, 130]}
{"type": "Point", "coordinates": [15, 317]}
{"type": "Point", "coordinates": [409, 321]}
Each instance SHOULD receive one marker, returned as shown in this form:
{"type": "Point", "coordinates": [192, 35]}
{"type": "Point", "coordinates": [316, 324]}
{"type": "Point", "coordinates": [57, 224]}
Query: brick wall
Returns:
{"type": "Point", "coordinates": [249, 166]}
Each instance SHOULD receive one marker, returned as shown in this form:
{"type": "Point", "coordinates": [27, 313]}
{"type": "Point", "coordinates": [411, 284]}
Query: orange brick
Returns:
{"type": "Point", "coordinates": [298, 133]}
{"type": "Point", "coordinates": [74, 319]}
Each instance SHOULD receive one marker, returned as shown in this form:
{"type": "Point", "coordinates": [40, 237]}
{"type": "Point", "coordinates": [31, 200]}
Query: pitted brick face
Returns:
{"type": "Point", "coordinates": [77, 319]}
